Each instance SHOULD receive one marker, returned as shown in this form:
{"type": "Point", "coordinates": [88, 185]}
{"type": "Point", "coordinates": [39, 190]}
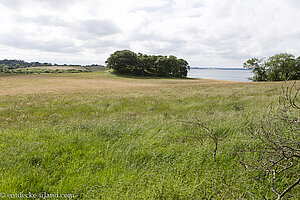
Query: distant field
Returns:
{"type": "Point", "coordinates": [58, 67]}
{"type": "Point", "coordinates": [91, 68]}
{"type": "Point", "coordinates": [101, 136]}
{"type": "Point", "coordinates": [43, 84]}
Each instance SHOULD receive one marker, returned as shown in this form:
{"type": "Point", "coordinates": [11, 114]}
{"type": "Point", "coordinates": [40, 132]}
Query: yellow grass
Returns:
{"type": "Point", "coordinates": [60, 83]}
{"type": "Point", "coordinates": [58, 67]}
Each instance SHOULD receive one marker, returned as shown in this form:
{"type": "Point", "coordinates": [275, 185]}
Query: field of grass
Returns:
{"type": "Point", "coordinates": [100, 136]}
{"type": "Point", "coordinates": [81, 68]}
{"type": "Point", "coordinates": [59, 67]}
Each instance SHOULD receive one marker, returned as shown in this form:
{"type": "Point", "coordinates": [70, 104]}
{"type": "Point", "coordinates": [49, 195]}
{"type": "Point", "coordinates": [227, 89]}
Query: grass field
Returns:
{"type": "Point", "coordinates": [89, 68]}
{"type": "Point", "coordinates": [59, 67]}
{"type": "Point", "coordinates": [100, 136]}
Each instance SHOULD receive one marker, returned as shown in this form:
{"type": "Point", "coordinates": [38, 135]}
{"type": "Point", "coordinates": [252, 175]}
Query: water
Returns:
{"type": "Point", "coordinates": [221, 74]}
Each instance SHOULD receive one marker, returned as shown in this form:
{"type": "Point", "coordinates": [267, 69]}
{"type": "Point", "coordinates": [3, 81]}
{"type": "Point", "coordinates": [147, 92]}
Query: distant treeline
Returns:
{"type": "Point", "coordinates": [14, 64]}
{"type": "Point", "coordinates": [8, 66]}
{"type": "Point", "coordinates": [128, 62]}
{"type": "Point", "coordinates": [280, 67]}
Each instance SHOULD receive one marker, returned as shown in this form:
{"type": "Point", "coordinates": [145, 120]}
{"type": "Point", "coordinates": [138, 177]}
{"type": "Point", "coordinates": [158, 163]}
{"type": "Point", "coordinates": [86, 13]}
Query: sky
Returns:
{"type": "Point", "coordinates": [206, 33]}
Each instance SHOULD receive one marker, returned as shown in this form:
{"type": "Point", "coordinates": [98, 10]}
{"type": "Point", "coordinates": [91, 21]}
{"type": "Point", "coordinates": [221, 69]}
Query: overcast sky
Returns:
{"type": "Point", "coordinates": [206, 33]}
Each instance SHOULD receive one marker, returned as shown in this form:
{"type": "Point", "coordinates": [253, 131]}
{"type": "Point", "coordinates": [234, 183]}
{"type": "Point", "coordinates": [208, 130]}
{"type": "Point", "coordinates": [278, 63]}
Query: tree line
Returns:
{"type": "Point", "coordinates": [280, 67]}
{"type": "Point", "coordinates": [15, 64]}
{"type": "Point", "coordinates": [19, 66]}
{"type": "Point", "coordinates": [128, 62]}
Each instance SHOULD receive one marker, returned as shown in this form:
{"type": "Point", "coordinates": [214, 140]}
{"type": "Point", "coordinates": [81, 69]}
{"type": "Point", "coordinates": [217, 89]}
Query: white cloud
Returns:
{"type": "Point", "coordinates": [220, 33]}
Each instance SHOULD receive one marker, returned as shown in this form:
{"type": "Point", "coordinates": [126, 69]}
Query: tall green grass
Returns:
{"type": "Point", "coordinates": [132, 143]}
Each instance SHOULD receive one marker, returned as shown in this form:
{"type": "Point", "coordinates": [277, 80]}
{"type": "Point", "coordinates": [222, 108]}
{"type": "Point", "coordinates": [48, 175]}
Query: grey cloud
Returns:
{"type": "Point", "coordinates": [44, 20]}
{"type": "Point", "coordinates": [57, 4]}
{"type": "Point", "coordinates": [93, 34]}
{"type": "Point", "coordinates": [90, 27]}
{"type": "Point", "coordinates": [54, 45]}
{"type": "Point", "coordinates": [105, 43]}
{"type": "Point", "coordinates": [159, 44]}
{"type": "Point", "coordinates": [294, 2]}
{"type": "Point", "coordinates": [158, 38]}
{"type": "Point", "coordinates": [50, 21]}
{"type": "Point", "coordinates": [100, 46]}
{"type": "Point", "coordinates": [83, 29]}
{"type": "Point", "coordinates": [12, 3]}
{"type": "Point", "coordinates": [99, 27]}
{"type": "Point", "coordinates": [166, 6]}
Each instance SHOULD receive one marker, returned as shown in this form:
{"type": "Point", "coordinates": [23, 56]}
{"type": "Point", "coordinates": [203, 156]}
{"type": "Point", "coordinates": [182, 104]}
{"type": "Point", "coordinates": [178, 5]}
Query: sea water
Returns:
{"type": "Point", "coordinates": [221, 74]}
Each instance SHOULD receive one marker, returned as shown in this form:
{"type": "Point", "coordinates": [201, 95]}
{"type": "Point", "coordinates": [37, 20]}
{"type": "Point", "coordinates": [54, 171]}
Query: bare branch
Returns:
{"type": "Point", "coordinates": [289, 188]}
{"type": "Point", "coordinates": [275, 143]}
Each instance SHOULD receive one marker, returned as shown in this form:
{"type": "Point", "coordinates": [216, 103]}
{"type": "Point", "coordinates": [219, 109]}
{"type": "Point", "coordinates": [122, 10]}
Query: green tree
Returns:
{"type": "Point", "coordinates": [296, 72]}
{"type": "Point", "coordinates": [145, 64]}
{"type": "Point", "coordinates": [183, 67]}
{"type": "Point", "coordinates": [1, 67]}
{"type": "Point", "coordinates": [127, 62]}
{"type": "Point", "coordinates": [258, 68]}
{"type": "Point", "coordinates": [162, 64]}
{"type": "Point", "coordinates": [123, 62]}
{"type": "Point", "coordinates": [279, 67]}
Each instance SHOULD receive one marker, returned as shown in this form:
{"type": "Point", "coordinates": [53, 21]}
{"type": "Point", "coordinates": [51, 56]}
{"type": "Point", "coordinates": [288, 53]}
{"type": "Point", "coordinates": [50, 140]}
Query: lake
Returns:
{"type": "Point", "coordinates": [231, 74]}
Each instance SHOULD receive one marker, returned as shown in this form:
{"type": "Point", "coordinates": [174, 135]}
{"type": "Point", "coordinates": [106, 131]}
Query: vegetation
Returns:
{"type": "Point", "coordinates": [100, 136]}
{"type": "Point", "coordinates": [22, 67]}
{"type": "Point", "coordinates": [40, 70]}
{"type": "Point", "coordinates": [128, 62]}
{"type": "Point", "coordinates": [280, 67]}
{"type": "Point", "coordinates": [15, 64]}
{"type": "Point", "coordinates": [273, 149]}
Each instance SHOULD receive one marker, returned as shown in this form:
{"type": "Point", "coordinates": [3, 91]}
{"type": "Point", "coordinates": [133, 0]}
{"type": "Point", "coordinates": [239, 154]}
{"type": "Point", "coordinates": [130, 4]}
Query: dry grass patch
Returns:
{"type": "Point", "coordinates": [70, 83]}
{"type": "Point", "coordinates": [58, 67]}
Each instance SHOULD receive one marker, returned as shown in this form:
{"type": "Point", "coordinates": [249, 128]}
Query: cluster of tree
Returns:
{"type": "Point", "coordinates": [279, 67]}
{"type": "Point", "coordinates": [128, 62]}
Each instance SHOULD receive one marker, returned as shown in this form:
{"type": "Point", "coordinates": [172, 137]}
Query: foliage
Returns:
{"type": "Point", "coordinates": [15, 64]}
{"type": "Point", "coordinates": [128, 62]}
{"type": "Point", "coordinates": [279, 67]}
{"type": "Point", "coordinates": [123, 62]}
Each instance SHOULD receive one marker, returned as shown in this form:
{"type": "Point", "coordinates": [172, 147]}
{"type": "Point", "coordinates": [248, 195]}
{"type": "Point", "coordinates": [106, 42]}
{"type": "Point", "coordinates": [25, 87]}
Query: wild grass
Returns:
{"type": "Point", "coordinates": [100, 136]}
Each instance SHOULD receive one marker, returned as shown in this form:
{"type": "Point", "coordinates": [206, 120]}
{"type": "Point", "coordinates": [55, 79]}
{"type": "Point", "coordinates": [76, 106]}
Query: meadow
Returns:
{"type": "Point", "coordinates": [102, 136]}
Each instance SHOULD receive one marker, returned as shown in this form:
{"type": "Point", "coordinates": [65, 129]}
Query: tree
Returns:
{"type": "Point", "coordinates": [162, 64]}
{"type": "Point", "coordinates": [123, 62]}
{"type": "Point", "coordinates": [280, 67]}
{"type": "Point", "coordinates": [183, 67]}
{"type": "Point", "coordinates": [127, 62]}
{"type": "Point", "coordinates": [258, 68]}
{"type": "Point", "coordinates": [296, 74]}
